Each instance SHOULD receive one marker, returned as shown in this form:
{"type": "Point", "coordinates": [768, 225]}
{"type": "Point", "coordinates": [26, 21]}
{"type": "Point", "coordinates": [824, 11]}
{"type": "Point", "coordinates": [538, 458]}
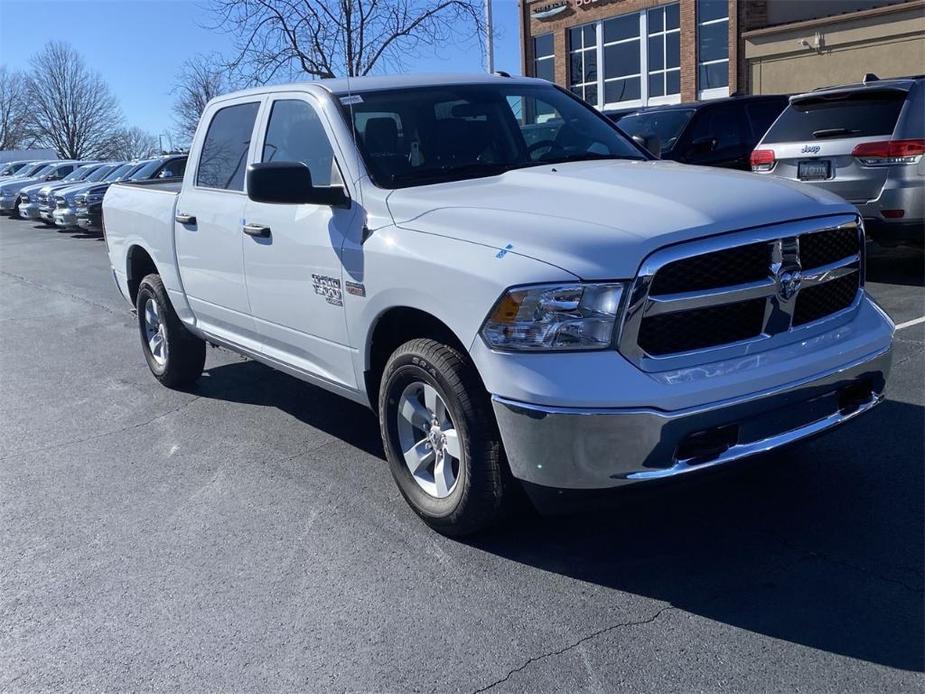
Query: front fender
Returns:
{"type": "Point", "coordinates": [453, 280]}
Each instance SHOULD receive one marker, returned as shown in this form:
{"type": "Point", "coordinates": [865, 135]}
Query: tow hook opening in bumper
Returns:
{"type": "Point", "coordinates": [855, 395]}
{"type": "Point", "coordinates": [706, 445]}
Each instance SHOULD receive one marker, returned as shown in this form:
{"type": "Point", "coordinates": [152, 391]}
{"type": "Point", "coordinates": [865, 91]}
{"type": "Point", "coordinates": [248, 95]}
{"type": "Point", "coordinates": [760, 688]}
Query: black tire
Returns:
{"type": "Point", "coordinates": [483, 490]}
{"type": "Point", "coordinates": [185, 355]}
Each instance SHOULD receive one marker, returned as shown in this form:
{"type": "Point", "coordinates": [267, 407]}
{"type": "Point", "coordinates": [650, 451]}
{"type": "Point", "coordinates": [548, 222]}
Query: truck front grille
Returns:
{"type": "Point", "coordinates": [711, 270]}
{"type": "Point", "coordinates": [732, 290]}
{"type": "Point", "coordinates": [823, 300]}
{"type": "Point", "coordinates": [700, 328]}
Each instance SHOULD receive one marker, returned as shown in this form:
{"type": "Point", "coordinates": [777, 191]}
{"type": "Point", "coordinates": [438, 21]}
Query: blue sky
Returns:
{"type": "Point", "coordinates": [139, 45]}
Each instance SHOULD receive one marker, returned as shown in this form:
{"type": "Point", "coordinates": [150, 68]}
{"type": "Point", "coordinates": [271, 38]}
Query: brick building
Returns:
{"type": "Point", "coordinates": [630, 53]}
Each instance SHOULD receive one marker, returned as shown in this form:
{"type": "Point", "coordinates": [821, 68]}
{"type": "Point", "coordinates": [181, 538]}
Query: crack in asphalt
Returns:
{"type": "Point", "coordinates": [68, 295]}
{"type": "Point", "coordinates": [94, 437]}
{"type": "Point", "coordinates": [575, 644]}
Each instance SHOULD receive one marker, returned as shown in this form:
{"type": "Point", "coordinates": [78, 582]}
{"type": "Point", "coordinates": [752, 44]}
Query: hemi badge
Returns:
{"type": "Point", "coordinates": [355, 288]}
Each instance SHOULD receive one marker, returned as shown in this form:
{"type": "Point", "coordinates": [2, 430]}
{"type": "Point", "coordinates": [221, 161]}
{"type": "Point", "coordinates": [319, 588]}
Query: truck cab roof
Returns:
{"type": "Point", "coordinates": [343, 86]}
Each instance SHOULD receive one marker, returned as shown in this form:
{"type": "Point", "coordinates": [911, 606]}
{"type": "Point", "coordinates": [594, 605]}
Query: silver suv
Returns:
{"type": "Point", "coordinates": [864, 142]}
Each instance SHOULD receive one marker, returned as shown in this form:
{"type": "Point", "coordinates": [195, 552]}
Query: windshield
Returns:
{"type": "Point", "coordinates": [80, 173]}
{"type": "Point", "coordinates": [424, 135]}
{"type": "Point", "coordinates": [100, 173]}
{"type": "Point", "coordinates": [667, 125]}
{"type": "Point", "coordinates": [857, 114]}
{"type": "Point", "coordinates": [10, 169]}
{"type": "Point", "coordinates": [42, 170]}
{"type": "Point", "coordinates": [146, 170]}
{"type": "Point", "coordinates": [32, 169]}
{"type": "Point", "coordinates": [118, 172]}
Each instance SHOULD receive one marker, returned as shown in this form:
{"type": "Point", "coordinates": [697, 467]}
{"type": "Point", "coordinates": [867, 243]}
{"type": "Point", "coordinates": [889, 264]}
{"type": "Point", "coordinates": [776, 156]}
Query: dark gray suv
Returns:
{"type": "Point", "coordinates": [864, 142]}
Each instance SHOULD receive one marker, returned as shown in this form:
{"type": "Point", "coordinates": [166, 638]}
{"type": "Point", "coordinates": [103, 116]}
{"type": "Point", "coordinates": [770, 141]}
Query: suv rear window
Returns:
{"type": "Point", "coordinates": [854, 115]}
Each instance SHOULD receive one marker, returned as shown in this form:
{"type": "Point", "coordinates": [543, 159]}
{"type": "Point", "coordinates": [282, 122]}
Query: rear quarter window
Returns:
{"type": "Point", "coordinates": [855, 115]}
{"type": "Point", "coordinates": [761, 114]}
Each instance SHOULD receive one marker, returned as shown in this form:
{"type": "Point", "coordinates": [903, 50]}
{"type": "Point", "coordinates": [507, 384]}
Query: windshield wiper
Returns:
{"type": "Point", "coordinates": [449, 173]}
{"type": "Point", "coordinates": [586, 156]}
{"type": "Point", "coordinates": [834, 132]}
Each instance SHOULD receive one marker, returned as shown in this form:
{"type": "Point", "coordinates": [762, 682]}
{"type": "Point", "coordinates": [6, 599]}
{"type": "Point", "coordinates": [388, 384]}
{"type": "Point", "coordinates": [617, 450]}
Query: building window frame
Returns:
{"type": "Point", "coordinates": [663, 34]}
{"type": "Point", "coordinates": [712, 92]}
{"type": "Point", "coordinates": [642, 37]}
{"type": "Point", "coordinates": [551, 57]}
{"type": "Point", "coordinates": [581, 51]}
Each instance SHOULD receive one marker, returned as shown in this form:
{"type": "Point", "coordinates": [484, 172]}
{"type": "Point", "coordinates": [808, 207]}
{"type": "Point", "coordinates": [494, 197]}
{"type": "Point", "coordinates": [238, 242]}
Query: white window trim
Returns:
{"type": "Point", "coordinates": [643, 75]}
{"type": "Point", "coordinates": [714, 93]}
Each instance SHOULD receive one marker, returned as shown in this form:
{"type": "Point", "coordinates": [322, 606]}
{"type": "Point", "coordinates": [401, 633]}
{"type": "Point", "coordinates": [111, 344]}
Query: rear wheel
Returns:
{"type": "Point", "coordinates": [441, 439]}
{"type": "Point", "coordinates": [174, 355]}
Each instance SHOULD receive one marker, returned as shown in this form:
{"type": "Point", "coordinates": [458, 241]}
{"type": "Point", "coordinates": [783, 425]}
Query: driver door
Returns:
{"type": "Point", "coordinates": [292, 253]}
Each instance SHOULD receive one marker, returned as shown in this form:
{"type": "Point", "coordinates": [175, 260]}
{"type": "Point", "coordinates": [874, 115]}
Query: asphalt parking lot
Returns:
{"type": "Point", "coordinates": [247, 536]}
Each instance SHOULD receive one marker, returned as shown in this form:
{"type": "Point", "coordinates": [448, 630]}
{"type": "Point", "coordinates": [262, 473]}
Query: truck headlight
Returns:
{"type": "Point", "coordinates": [554, 317]}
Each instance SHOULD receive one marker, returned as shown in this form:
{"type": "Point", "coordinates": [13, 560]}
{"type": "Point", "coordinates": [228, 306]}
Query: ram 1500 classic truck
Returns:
{"type": "Point", "coordinates": [558, 312]}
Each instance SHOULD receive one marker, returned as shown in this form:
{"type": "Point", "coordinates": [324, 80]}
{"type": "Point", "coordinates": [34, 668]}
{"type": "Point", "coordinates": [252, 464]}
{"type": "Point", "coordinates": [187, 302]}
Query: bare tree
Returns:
{"type": "Point", "coordinates": [13, 130]}
{"type": "Point", "coordinates": [330, 38]}
{"type": "Point", "coordinates": [130, 143]}
{"type": "Point", "coordinates": [200, 80]}
{"type": "Point", "coordinates": [72, 109]}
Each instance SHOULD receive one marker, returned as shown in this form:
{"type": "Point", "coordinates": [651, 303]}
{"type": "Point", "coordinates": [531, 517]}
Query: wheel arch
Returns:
{"type": "Point", "coordinates": [392, 328]}
{"type": "Point", "coordinates": [138, 264]}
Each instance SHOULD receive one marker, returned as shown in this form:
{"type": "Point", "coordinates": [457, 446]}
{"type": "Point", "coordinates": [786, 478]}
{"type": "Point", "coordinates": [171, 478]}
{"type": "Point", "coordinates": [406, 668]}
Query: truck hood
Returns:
{"type": "Point", "coordinates": [600, 219]}
{"type": "Point", "coordinates": [16, 185]}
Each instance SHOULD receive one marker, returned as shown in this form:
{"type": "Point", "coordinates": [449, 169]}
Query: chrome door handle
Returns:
{"type": "Point", "coordinates": [258, 230]}
{"type": "Point", "coordinates": [185, 218]}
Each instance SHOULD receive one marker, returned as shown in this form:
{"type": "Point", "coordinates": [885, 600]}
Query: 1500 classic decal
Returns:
{"type": "Point", "coordinates": [329, 288]}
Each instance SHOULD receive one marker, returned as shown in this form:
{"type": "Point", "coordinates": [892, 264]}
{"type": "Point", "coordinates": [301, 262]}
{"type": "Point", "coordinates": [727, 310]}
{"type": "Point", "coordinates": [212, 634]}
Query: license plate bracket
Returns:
{"type": "Point", "coordinates": [814, 170]}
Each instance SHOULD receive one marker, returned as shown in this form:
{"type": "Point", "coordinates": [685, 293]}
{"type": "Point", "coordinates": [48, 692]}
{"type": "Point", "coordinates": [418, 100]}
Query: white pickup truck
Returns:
{"type": "Point", "coordinates": [524, 295]}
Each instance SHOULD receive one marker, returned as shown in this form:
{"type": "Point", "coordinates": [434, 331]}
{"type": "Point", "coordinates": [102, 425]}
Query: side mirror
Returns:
{"type": "Point", "coordinates": [290, 183]}
{"type": "Point", "coordinates": [703, 145]}
{"type": "Point", "coordinates": [652, 143]}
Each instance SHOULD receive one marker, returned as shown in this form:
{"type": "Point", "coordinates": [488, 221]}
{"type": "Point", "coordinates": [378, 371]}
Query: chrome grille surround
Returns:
{"type": "Point", "coordinates": [779, 290]}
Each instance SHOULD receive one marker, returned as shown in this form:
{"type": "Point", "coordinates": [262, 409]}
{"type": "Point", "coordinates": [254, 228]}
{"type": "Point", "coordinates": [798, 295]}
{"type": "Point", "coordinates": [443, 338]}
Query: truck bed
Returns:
{"type": "Point", "coordinates": [169, 185]}
{"type": "Point", "coordinates": [140, 217]}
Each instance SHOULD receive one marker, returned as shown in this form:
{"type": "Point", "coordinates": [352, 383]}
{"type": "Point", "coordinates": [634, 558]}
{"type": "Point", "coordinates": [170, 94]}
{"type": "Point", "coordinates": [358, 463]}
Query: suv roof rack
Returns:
{"type": "Point", "coordinates": [501, 73]}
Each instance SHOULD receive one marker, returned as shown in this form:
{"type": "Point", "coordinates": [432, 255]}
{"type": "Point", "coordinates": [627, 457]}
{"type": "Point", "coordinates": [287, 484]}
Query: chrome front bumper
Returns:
{"type": "Point", "coordinates": [29, 210]}
{"type": "Point", "coordinates": [64, 217]}
{"type": "Point", "coordinates": [596, 449]}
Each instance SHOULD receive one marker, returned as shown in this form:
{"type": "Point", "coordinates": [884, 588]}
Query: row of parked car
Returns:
{"type": "Point", "coordinates": [864, 142]}
{"type": "Point", "coordinates": [69, 194]}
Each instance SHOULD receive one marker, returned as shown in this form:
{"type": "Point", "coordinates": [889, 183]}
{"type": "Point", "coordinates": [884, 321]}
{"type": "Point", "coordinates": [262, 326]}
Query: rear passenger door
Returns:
{"type": "Point", "coordinates": [208, 224]}
{"type": "Point", "coordinates": [294, 271]}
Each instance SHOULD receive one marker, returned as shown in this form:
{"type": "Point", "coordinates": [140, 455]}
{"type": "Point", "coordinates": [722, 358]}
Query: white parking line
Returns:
{"type": "Point", "coordinates": [910, 323]}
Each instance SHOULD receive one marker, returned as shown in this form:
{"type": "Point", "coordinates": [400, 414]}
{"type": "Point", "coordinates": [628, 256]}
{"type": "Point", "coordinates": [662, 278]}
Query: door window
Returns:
{"type": "Point", "coordinates": [295, 133]}
{"type": "Point", "coordinates": [722, 124]}
{"type": "Point", "coordinates": [224, 152]}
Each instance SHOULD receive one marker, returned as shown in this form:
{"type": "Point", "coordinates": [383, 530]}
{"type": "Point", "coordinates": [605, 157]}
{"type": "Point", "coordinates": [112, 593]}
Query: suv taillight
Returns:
{"type": "Point", "coordinates": [889, 152]}
{"type": "Point", "coordinates": [762, 159]}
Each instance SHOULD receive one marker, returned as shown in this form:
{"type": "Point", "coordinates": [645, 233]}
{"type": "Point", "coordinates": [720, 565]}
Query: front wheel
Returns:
{"type": "Point", "coordinates": [174, 355]}
{"type": "Point", "coordinates": [441, 439]}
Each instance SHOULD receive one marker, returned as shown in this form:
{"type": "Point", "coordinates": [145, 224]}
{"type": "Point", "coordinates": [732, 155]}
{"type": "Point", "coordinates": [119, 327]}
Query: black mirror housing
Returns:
{"type": "Point", "coordinates": [651, 143]}
{"type": "Point", "coordinates": [703, 145]}
{"type": "Point", "coordinates": [290, 183]}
